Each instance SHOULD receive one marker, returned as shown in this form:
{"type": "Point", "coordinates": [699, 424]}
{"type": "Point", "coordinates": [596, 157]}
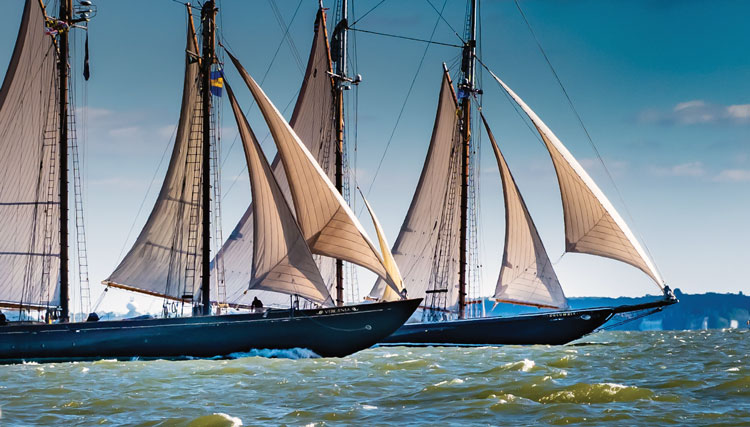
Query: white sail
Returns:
{"type": "Point", "coordinates": [396, 285]}
{"type": "Point", "coordinates": [592, 225]}
{"type": "Point", "coordinates": [429, 227]}
{"type": "Point", "coordinates": [281, 262]}
{"type": "Point", "coordinates": [526, 274]}
{"type": "Point", "coordinates": [313, 121]}
{"type": "Point", "coordinates": [328, 224]}
{"type": "Point", "coordinates": [165, 260]}
{"type": "Point", "coordinates": [29, 170]}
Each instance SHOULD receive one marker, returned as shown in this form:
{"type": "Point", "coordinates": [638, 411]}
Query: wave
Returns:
{"type": "Point", "coordinates": [598, 393]}
{"type": "Point", "coordinates": [216, 419]}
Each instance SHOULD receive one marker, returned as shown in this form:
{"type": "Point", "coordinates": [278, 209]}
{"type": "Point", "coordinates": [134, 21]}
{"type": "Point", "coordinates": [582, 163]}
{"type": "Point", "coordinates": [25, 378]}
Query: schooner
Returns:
{"type": "Point", "coordinates": [171, 258]}
{"type": "Point", "coordinates": [433, 247]}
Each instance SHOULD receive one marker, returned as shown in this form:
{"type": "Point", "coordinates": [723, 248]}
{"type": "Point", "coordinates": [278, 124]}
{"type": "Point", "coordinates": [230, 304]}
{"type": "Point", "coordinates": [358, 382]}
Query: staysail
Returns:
{"type": "Point", "coordinates": [592, 225]}
{"type": "Point", "coordinates": [313, 121]}
{"type": "Point", "coordinates": [396, 284]}
{"type": "Point", "coordinates": [328, 224]}
{"type": "Point", "coordinates": [429, 227]}
{"type": "Point", "coordinates": [281, 260]}
{"type": "Point", "coordinates": [526, 274]}
{"type": "Point", "coordinates": [168, 249]}
{"type": "Point", "coordinates": [29, 174]}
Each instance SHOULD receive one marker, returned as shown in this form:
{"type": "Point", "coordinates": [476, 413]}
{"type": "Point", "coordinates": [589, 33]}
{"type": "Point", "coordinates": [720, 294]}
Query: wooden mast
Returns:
{"type": "Point", "coordinates": [208, 13]}
{"type": "Point", "coordinates": [466, 90]}
{"type": "Point", "coordinates": [340, 80]}
{"type": "Point", "coordinates": [66, 7]}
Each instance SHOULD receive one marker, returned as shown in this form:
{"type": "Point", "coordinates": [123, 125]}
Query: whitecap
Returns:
{"type": "Point", "coordinates": [236, 422]}
{"type": "Point", "coordinates": [369, 407]}
{"type": "Point", "coordinates": [292, 353]}
{"type": "Point", "coordinates": [735, 369]}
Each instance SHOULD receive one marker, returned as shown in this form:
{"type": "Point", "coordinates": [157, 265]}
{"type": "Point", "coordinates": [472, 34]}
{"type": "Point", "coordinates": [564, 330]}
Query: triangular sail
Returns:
{"type": "Point", "coordinates": [282, 262]}
{"type": "Point", "coordinates": [165, 259]}
{"type": "Point", "coordinates": [29, 173]}
{"type": "Point", "coordinates": [396, 284]}
{"type": "Point", "coordinates": [526, 274]}
{"type": "Point", "coordinates": [592, 225]}
{"type": "Point", "coordinates": [328, 224]}
{"type": "Point", "coordinates": [313, 121]}
{"type": "Point", "coordinates": [426, 249]}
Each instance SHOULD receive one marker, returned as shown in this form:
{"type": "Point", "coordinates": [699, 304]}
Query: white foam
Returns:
{"type": "Point", "coordinates": [236, 422]}
{"type": "Point", "coordinates": [292, 353]}
{"type": "Point", "coordinates": [369, 407]}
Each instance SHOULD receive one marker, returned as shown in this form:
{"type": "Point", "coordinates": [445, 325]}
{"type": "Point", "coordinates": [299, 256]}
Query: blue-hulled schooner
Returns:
{"type": "Point", "coordinates": [433, 247]}
{"type": "Point", "coordinates": [170, 258]}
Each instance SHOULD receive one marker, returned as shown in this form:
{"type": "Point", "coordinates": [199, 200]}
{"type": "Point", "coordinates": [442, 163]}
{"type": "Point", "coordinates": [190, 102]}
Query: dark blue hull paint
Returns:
{"type": "Point", "coordinates": [331, 332]}
{"type": "Point", "coordinates": [558, 327]}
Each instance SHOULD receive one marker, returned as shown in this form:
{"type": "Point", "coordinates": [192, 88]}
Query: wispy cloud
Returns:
{"type": "Point", "coordinates": [733, 175]}
{"type": "Point", "coordinates": [697, 112]}
{"type": "Point", "coordinates": [684, 169]}
{"type": "Point", "coordinates": [700, 171]}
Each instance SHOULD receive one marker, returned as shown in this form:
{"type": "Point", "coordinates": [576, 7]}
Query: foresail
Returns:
{"type": "Point", "coordinates": [426, 249]}
{"type": "Point", "coordinates": [396, 284]}
{"type": "Point", "coordinates": [592, 225]}
{"type": "Point", "coordinates": [328, 224]}
{"type": "Point", "coordinates": [281, 260]}
{"type": "Point", "coordinates": [313, 121]}
{"type": "Point", "coordinates": [526, 273]}
{"type": "Point", "coordinates": [165, 259]}
{"type": "Point", "coordinates": [29, 174]}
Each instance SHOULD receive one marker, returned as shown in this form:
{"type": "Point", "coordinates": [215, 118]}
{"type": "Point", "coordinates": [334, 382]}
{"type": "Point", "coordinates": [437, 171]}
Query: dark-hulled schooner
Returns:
{"type": "Point", "coordinates": [435, 250]}
{"type": "Point", "coordinates": [170, 258]}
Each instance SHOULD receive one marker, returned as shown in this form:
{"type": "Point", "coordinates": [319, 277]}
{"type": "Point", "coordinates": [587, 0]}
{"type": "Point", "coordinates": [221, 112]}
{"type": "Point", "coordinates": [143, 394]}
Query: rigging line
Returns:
{"type": "Point", "coordinates": [367, 13]}
{"type": "Point", "coordinates": [583, 126]}
{"type": "Point", "coordinates": [263, 79]}
{"type": "Point", "coordinates": [440, 14]}
{"type": "Point", "coordinates": [403, 106]}
{"type": "Point", "coordinates": [405, 37]}
{"type": "Point", "coordinates": [265, 138]}
{"type": "Point", "coordinates": [148, 190]}
{"type": "Point", "coordinates": [293, 47]}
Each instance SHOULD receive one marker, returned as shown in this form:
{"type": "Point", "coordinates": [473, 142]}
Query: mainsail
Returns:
{"type": "Point", "coordinates": [592, 225]}
{"type": "Point", "coordinates": [313, 121]}
{"type": "Point", "coordinates": [526, 274]}
{"type": "Point", "coordinates": [29, 176]}
{"type": "Point", "coordinates": [168, 248]}
{"type": "Point", "coordinates": [328, 224]}
{"type": "Point", "coordinates": [429, 234]}
{"type": "Point", "coordinates": [282, 262]}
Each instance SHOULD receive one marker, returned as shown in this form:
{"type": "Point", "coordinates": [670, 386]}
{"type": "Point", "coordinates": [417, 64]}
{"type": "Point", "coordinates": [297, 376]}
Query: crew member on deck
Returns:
{"type": "Point", "coordinates": [3, 319]}
{"type": "Point", "coordinates": [256, 304]}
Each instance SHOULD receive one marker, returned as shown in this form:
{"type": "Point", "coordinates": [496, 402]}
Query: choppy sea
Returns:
{"type": "Point", "coordinates": [623, 378]}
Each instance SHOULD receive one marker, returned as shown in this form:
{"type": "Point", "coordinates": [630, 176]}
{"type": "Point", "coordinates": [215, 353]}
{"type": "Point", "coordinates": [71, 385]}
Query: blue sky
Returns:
{"type": "Point", "coordinates": [662, 87]}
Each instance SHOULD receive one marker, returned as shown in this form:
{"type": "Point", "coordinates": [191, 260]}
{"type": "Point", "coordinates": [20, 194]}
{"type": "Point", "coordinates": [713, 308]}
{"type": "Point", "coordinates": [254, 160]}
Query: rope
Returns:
{"type": "Point", "coordinates": [263, 79]}
{"type": "Point", "coordinates": [583, 126]}
{"type": "Point", "coordinates": [440, 14]}
{"type": "Point", "coordinates": [628, 319]}
{"type": "Point", "coordinates": [403, 106]}
{"type": "Point", "coordinates": [366, 13]}
{"type": "Point", "coordinates": [396, 36]}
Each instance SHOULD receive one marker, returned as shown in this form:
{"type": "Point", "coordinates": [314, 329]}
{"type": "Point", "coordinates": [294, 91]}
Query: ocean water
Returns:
{"type": "Point", "coordinates": [622, 378]}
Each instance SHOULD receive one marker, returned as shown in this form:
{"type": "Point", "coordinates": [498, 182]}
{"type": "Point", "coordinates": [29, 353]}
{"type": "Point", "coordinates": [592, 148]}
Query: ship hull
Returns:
{"type": "Point", "coordinates": [329, 332]}
{"type": "Point", "coordinates": [552, 328]}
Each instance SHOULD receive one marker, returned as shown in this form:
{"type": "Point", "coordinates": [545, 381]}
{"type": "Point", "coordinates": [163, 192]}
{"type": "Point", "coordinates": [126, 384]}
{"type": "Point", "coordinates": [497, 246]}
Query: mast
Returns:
{"type": "Point", "coordinates": [66, 7]}
{"type": "Point", "coordinates": [340, 71]}
{"type": "Point", "coordinates": [466, 89]}
{"type": "Point", "coordinates": [208, 13]}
